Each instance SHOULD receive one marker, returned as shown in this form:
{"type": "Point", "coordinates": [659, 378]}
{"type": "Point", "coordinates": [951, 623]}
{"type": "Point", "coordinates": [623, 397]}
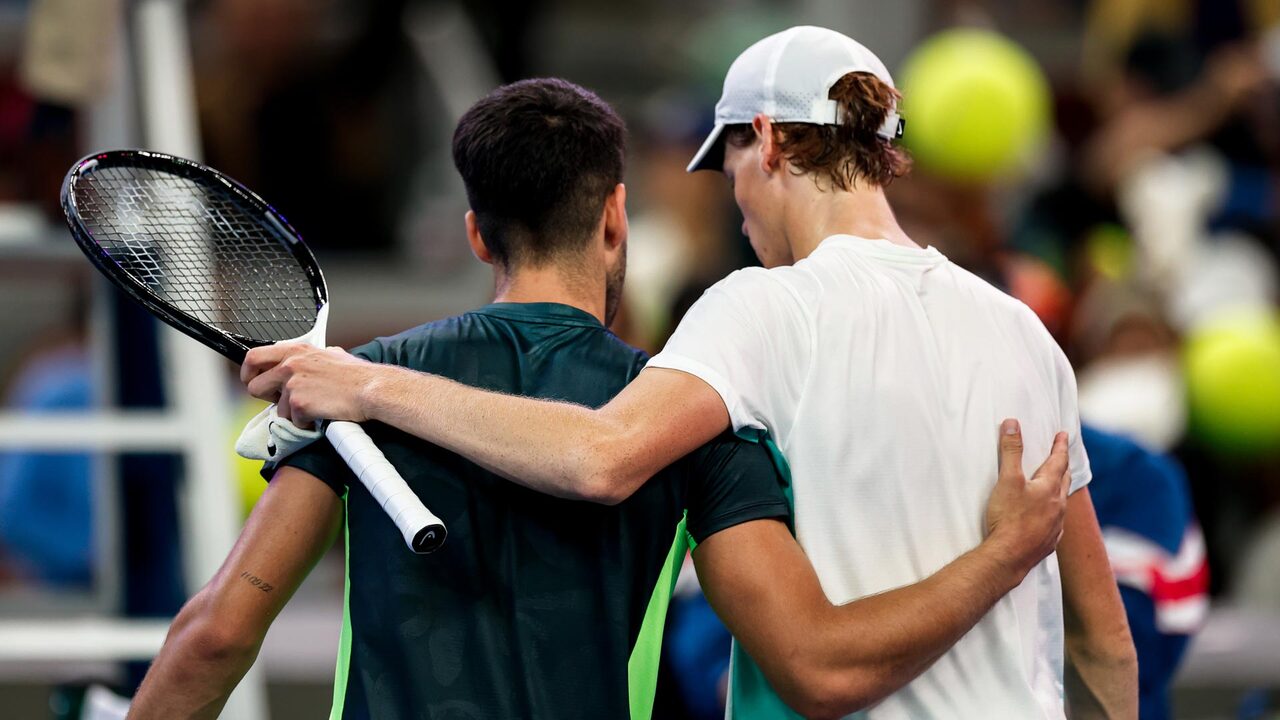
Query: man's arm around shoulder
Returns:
{"type": "Point", "coordinates": [602, 455]}
{"type": "Point", "coordinates": [828, 661]}
{"type": "Point", "coordinates": [215, 637]}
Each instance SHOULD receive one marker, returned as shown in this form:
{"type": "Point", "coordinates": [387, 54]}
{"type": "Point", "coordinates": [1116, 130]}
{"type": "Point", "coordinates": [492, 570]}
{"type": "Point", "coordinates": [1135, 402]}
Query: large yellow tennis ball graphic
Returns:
{"type": "Point", "coordinates": [977, 105]}
{"type": "Point", "coordinates": [1233, 382]}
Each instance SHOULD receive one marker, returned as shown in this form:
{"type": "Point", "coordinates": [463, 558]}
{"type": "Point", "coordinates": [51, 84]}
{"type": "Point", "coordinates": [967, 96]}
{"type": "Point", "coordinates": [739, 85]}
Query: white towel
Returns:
{"type": "Point", "coordinates": [272, 438]}
{"type": "Point", "coordinates": [268, 436]}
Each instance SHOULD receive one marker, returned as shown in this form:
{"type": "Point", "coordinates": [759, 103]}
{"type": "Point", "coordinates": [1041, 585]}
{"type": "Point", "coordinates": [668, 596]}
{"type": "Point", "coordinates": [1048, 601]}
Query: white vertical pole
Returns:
{"type": "Point", "coordinates": [195, 375]}
{"type": "Point", "coordinates": [167, 90]}
{"type": "Point", "coordinates": [110, 125]}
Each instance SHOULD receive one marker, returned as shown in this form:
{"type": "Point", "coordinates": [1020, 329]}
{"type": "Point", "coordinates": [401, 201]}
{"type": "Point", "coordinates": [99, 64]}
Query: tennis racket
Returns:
{"type": "Point", "coordinates": [209, 257]}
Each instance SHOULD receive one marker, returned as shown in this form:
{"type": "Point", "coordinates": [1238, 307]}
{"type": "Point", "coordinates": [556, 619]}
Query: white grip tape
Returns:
{"type": "Point", "coordinates": [381, 478]}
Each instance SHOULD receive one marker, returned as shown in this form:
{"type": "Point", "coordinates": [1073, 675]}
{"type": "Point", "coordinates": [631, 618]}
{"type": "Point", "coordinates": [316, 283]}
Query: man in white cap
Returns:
{"type": "Point", "coordinates": [877, 370]}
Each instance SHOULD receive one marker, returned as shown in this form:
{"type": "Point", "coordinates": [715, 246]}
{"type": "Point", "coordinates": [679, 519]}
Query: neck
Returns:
{"type": "Point", "coordinates": [821, 213]}
{"type": "Point", "coordinates": [551, 284]}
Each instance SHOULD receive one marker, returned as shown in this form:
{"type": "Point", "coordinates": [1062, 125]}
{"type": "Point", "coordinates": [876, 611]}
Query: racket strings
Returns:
{"type": "Point", "coordinates": [200, 248]}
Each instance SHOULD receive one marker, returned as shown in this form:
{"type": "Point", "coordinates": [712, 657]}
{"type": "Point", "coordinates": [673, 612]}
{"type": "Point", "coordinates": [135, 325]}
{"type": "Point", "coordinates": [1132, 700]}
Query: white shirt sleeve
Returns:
{"type": "Point", "coordinates": [750, 339]}
{"type": "Point", "coordinates": [1069, 409]}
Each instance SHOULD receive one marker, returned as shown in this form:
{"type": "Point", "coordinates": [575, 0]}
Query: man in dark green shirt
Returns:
{"type": "Point", "coordinates": [546, 607]}
{"type": "Point", "coordinates": [536, 607]}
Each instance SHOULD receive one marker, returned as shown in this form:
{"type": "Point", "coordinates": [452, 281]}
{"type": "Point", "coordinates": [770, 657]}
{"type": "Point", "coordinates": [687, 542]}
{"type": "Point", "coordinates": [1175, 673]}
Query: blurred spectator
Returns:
{"type": "Point", "coordinates": [46, 499]}
{"type": "Point", "coordinates": [1130, 378]}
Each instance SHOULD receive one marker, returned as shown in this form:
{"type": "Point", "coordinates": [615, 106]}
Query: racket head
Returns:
{"type": "Point", "coordinates": [199, 250]}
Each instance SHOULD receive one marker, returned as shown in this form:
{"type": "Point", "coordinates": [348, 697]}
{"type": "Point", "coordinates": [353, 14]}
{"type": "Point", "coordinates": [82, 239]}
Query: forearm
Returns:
{"type": "Point", "coordinates": [828, 661]}
{"type": "Point", "coordinates": [194, 673]}
{"type": "Point", "coordinates": [878, 644]}
{"type": "Point", "coordinates": [553, 447]}
{"type": "Point", "coordinates": [216, 636]}
{"type": "Point", "coordinates": [1101, 678]}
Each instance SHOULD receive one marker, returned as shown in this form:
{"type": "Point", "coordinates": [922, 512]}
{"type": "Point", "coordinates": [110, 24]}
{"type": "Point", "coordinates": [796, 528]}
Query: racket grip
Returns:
{"type": "Point", "coordinates": [423, 532]}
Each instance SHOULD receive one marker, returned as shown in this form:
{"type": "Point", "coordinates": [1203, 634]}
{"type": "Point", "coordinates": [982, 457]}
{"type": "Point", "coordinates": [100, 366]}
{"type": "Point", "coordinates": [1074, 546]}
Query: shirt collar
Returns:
{"type": "Point", "coordinates": [882, 248]}
{"type": "Point", "coordinates": [541, 312]}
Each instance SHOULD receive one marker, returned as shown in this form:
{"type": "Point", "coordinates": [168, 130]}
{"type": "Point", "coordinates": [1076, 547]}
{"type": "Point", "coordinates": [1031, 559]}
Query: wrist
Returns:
{"type": "Point", "coordinates": [1008, 557]}
{"type": "Point", "coordinates": [372, 387]}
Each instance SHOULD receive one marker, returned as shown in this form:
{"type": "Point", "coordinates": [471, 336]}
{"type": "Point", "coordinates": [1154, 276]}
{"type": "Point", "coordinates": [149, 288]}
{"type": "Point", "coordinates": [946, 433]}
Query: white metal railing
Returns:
{"type": "Point", "coordinates": [90, 639]}
{"type": "Point", "coordinates": [114, 431]}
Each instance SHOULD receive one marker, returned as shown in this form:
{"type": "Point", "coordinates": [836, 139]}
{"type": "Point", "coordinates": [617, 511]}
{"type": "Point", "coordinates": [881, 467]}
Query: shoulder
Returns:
{"type": "Point", "coordinates": [733, 481]}
{"type": "Point", "coordinates": [996, 299]}
{"type": "Point", "coordinates": [1015, 315]}
{"type": "Point", "coordinates": [436, 346]}
{"type": "Point", "coordinates": [762, 292]}
{"type": "Point", "coordinates": [401, 348]}
{"type": "Point", "coordinates": [725, 449]}
{"type": "Point", "coordinates": [634, 357]}
{"type": "Point", "coordinates": [793, 280]}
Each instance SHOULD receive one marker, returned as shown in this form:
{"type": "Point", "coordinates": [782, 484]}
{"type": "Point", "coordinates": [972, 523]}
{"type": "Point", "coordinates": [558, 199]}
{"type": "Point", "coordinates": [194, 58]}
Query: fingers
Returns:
{"type": "Point", "coordinates": [258, 360]}
{"type": "Point", "coordinates": [283, 408]}
{"type": "Point", "coordinates": [261, 359]}
{"type": "Point", "coordinates": [268, 385]}
{"type": "Point", "coordinates": [1056, 464]}
{"type": "Point", "coordinates": [266, 368]}
{"type": "Point", "coordinates": [1010, 447]}
{"type": "Point", "coordinates": [290, 408]}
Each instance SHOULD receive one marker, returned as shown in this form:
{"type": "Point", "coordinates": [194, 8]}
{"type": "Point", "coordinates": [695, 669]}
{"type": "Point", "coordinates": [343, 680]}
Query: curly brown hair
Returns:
{"type": "Point", "coordinates": [846, 153]}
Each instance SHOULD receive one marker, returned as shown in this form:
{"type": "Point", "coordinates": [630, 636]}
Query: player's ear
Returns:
{"type": "Point", "coordinates": [615, 217]}
{"type": "Point", "coordinates": [770, 153]}
{"type": "Point", "coordinates": [478, 248]}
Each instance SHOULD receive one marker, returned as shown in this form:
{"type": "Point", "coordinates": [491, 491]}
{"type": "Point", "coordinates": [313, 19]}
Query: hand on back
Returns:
{"type": "Point", "coordinates": [1026, 515]}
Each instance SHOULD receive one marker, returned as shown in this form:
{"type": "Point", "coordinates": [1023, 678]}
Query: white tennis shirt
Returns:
{"type": "Point", "coordinates": [882, 373]}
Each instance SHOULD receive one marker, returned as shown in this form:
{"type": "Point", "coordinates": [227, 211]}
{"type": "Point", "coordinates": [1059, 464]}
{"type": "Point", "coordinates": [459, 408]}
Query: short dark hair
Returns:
{"type": "Point", "coordinates": [847, 153]}
{"type": "Point", "coordinates": [538, 158]}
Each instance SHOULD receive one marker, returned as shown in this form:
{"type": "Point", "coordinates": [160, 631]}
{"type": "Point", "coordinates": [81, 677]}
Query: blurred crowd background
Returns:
{"type": "Point", "coordinates": [1115, 164]}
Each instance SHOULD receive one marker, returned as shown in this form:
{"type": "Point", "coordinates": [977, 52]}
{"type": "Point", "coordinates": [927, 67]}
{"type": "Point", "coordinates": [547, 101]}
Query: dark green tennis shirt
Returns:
{"type": "Point", "coordinates": [536, 607]}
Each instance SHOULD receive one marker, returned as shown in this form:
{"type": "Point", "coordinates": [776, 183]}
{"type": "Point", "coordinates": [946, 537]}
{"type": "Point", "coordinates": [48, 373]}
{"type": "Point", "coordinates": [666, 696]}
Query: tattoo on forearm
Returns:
{"type": "Point", "coordinates": [257, 582]}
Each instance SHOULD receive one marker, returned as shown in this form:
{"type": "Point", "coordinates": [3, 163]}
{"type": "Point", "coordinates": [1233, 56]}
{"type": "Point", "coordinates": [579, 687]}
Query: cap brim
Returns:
{"type": "Point", "coordinates": [711, 155]}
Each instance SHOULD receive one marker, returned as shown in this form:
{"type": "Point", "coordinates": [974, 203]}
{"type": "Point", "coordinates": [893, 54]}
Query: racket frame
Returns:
{"type": "Point", "coordinates": [423, 532]}
{"type": "Point", "coordinates": [231, 345]}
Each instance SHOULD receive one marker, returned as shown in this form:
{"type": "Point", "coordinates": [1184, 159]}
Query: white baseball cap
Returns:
{"type": "Point", "coordinates": [788, 77]}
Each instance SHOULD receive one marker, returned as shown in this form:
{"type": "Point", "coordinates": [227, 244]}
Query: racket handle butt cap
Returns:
{"type": "Point", "coordinates": [429, 539]}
